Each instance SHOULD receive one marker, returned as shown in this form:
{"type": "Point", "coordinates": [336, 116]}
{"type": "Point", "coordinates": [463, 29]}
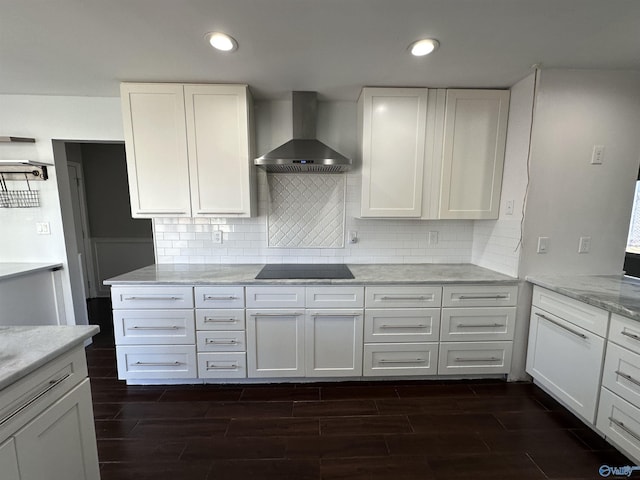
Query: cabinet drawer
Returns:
{"type": "Point", "coordinates": [585, 316]}
{"type": "Point", "coordinates": [222, 365]}
{"type": "Point", "coordinates": [220, 319]}
{"type": "Point", "coordinates": [215, 341]}
{"type": "Point", "coordinates": [625, 332]}
{"type": "Point", "coordinates": [477, 324]}
{"type": "Point", "coordinates": [480, 296]}
{"type": "Point", "coordinates": [275, 297]}
{"type": "Point", "coordinates": [464, 358]}
{"type": "Point", "coordinates": [335, 297]}
{"type": "Point", "coordinates": [152, 297]}
{"type": "Point", "coordinates": [401, 325]}
{"type": "Point", "coordinates": [619, 421]}
{"type": "Point", "coordinates": [219, 297]}
{"type": "Point", "coordinates": [9, 460]}
{"type": "Point", "coordinates": [622, 373]}
{"type": "Point", "coordinates": [403, 296]}
{"type": "Point", "coordinates": [156, 362]}
{"type": "Point", "coordinates": [390, 359]}
{"type": "Point", "coordinates": [153, 327]}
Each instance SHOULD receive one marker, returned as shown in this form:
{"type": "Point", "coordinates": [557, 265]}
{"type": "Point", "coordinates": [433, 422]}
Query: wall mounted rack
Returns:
{"type": "Point", "coordinates": [17, 169]}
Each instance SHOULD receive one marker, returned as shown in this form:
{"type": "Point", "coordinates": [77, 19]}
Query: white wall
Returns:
{"type": "Point", "coordinates": [46, 118]}
{"type": "Point", "coordinates": [568, 197]}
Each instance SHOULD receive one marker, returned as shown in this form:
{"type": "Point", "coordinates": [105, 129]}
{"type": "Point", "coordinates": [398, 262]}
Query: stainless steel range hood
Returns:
{"type": "Point", "coordinates": [304, 153]}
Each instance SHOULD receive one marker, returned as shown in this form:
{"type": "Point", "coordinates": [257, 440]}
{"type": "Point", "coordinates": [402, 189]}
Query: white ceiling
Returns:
{"type": "Point", "coordinates": [86, 47]}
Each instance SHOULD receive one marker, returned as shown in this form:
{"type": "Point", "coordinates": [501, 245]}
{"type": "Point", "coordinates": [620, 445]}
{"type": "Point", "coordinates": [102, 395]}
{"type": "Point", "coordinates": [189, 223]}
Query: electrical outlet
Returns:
{"type": "Point", "coordinates": [597, 157]}
{"type": "Point", "coordinates": [43, 228]}
{"type": "Point", "coordinates": [585, 245]}
{"type": "Point", "coordinates": [353, 237]}
{"type": "Point", "coordinates": [543, 244]}
{"type": "Point", "coordinates": [217, 236]}
{"type": "Point", "coordinates": [509, 207]}
{"type": "Point", "coordinates": [433, 238]}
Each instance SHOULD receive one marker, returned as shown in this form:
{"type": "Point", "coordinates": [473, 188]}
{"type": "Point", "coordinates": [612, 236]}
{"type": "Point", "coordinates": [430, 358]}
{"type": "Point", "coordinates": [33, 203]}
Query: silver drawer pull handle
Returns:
{"type": "Point", "coordinates": [223, 367]}
{"type": "Point", "coordinates": [631, 335]}
{"type": "Point", "coordinates": [210, 341]}
{"type": "Point", "coordinates": [225, 297]}
{"type": "Point", "coordinates": [623, 427]}
{"type": "Point", "coordinates": [136, 327]}
{"type": "Point", "coordinates": [156, 364]}
{"type": "Point", "coordinates": [219, 320]}
{"type": "Point", "coordinates": [483, 297]}
{"type": "Point", "coordinates": [577, 334]}
{"type": "Point", "coordinates": [50, 386]}
{"type": "Point", "coordinates": [163, 298]}
{"type": "Point", "coordinates": [294, 314]}
{"type": "Point", "coordinates": [480, 325]}
{"type": "Point", "coordinates": [394, 297]}
{"type": "Point", "coordinates": [420, 325]}
{"type": "Point", "coordinates": [490, 359]}
{"type": "Point", "coordinates": [628, 377]}
{"type": "Point", "coordinates": [413, 360]}
{"type": "Point", "coordinates": [335, 315]}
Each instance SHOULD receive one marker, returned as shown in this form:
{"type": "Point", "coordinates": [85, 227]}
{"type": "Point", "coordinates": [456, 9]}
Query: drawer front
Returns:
{"type": "Point", "coordinates": [480, 296]}
{"type": "Point", "coordinates": [401, 325]}
{"type": "Point", "coordinates": [220, 319]}
{"type": "Point", "coordinates": [218, 341]}
{"type": "Point", "coordinates": [334, 297]}
{"type": "Point", "coordinates": [222, 365]}
{"type": "Point", "coordinates": [477, 324]}
{"type": "Point", "coordinates": [619, 421]}
{"type": "Point", "coordinates": [156, 362]}
{"type": "Point", "coordinates": [152, 297]}
{"type": "Point", "coordinates": [219, 297]}
{"type": "Point", "coordinates": [585, 316]}
{"type": "Point", "coordinates": [390, 359]}
{"type": "Point", "coordinates": [154, 327]}
{"type": "Point", "coordinates": [469, 358]}
{"type": "Point", "coordinates": [625, 332]}
{"type": "Point", "coordinates": [275, 297]}
{"type": "Point", "coordinates": [403, 296]}
{"type": "Point", "coordinates": [622, 373]}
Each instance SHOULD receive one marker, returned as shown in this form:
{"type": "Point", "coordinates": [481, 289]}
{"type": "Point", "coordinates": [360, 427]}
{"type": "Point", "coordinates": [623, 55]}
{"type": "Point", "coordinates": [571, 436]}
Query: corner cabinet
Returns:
{"type": "Point", "coordinates": [189, 149]}
{"type": "Point", "coordinates": [432, 154]}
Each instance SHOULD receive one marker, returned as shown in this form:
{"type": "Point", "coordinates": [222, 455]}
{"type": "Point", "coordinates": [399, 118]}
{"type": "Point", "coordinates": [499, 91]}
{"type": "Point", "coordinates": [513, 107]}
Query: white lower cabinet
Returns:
{"type": "Point", "coordinates": [619, 421]}
{"type": "Point", "coordinates": [391, 359]}
{"type": "Point", "coordinates": [275, 343]}
{"type": "Point", "coordinates": [222, 365]}
{"type": "Point", "coordinates": [9, 460]}
{"type": "Point", "coordinates": [474, 358]}
{"type": "Point", "coordinates": [333, 343]}
{"type": "Point", "coordinates": [154, 362]}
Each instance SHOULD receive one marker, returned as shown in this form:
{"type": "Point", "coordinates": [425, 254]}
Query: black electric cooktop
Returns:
{"type": "Point", "coordinates": [304, 271]}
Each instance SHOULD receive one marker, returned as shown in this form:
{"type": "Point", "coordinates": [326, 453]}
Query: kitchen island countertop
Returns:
{"type": "Point", "coordinates": [614, 293]}
{"type": "Point", "coordinates": [370, 274]}
{"type": "Point", "coordinates": [24, 349]}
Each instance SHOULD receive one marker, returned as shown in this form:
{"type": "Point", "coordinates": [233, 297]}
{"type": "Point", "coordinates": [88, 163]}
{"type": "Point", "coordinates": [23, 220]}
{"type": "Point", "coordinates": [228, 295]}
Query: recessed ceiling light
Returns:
{"type": "Point", "coordinates": [222, 41]}
{"type": "Point", "coordinates": [423, 47]}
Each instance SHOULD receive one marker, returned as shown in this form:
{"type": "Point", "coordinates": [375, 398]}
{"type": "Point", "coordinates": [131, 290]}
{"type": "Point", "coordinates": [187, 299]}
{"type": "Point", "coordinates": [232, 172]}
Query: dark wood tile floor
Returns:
{"type": "Point", "coordinates": [405, 430]}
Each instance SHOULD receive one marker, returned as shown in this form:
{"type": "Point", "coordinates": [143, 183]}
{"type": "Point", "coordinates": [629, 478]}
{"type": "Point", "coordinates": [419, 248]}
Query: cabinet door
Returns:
{"type": "Point", "coordinates": [333, 343]}
{"type": "Point", "coordinates": [9, 460]}
{"type": "Point", "coordinates": [567, 361]}
{"type": "Point", "coordinates": [220, 152]}
{"type": "Point", "coordinates": [60, 444]}
{"type": "Point", "coordinates": [473, 153]}
{"type": "Point", "coordinates": [156, 148]}
{"type": "Point", "coordinates": [275, 343]}
{"type": "Point", "coordinates": [393, 129]}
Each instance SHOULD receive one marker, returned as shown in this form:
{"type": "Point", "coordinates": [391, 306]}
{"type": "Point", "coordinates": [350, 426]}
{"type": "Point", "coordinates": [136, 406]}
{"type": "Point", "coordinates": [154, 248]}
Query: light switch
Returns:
{"type": "Point", "coordinates": [43, 228]}
{"type": "Point", "coordinates": [597, 157]}
{"type": "Point", "coordinates": [543, 244]}
{"type": "Point", "coordinates": [585, 245]}
{"type": "Point", "coordinates": [217, 236]}
{"type": "Point", "coordinates": [433, 238]}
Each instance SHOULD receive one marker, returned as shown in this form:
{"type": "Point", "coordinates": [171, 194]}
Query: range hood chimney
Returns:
{"type": "Point", "coordinates": [304, 153]}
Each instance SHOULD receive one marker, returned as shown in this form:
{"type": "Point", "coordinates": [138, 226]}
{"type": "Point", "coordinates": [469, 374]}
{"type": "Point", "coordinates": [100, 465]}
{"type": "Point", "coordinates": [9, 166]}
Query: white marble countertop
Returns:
{"type": "Point", "coordinates": [614, 293]}
{"type": "Point", "coordinates": [25, 349]}
{"type": "Point", "coordinates": [11, 270]}
{"type": "Point", "coordinates": [244, 274]}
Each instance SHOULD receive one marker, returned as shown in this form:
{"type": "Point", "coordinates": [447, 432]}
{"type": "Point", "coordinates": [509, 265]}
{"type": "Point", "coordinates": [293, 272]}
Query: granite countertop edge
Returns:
{"type": "Point", "coordinates": [13, 270]}
{"type": "Point", "coordinates": [38, 345]}
{"type": "Point", "coordinates": [613, 293]}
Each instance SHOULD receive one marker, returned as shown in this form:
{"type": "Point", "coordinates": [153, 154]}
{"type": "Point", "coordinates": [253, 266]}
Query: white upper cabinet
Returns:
{"type": "Point", "coordinates": [473, 153]}
{"type": "Point", "coordinates": [432, 154]}
{"type": "Point", "coordinates": [156, 147]}
{"type": "Point", "coordinates": [189, 149]}
{"type": "Point", "coordinates": [393, 129]}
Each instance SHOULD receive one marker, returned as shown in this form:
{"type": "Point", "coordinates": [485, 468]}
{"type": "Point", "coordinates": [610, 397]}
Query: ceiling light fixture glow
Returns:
{"type": "Point", "coordinates": [222, 41]}
{"type": "Point", "coordinates": [423, 47]}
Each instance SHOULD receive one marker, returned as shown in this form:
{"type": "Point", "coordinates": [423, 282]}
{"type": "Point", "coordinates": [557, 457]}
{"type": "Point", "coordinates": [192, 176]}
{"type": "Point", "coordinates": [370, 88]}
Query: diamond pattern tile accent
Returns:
{"type": "Point", "coordinates": [306, 210]}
